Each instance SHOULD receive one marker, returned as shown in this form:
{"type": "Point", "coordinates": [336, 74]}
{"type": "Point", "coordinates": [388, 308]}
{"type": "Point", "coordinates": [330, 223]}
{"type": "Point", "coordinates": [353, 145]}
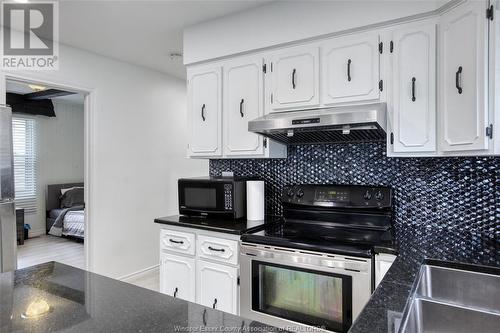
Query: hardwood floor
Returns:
{"type": "Point", "coordinates": [45, 248]}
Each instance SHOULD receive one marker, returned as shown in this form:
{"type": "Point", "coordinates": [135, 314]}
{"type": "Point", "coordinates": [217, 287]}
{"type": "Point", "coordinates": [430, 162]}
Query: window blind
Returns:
{"type": "Point", "coordinates": [24, 139]}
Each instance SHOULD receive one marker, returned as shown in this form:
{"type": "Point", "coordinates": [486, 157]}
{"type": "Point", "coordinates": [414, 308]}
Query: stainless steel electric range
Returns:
{"type": "Point", "coordinates": [314, 269]}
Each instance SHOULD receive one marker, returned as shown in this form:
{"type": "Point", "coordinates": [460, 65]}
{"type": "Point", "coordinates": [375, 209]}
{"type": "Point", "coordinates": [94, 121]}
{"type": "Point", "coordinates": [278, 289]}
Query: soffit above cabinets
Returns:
{"type": "Point", "coordinates": [282, 23]}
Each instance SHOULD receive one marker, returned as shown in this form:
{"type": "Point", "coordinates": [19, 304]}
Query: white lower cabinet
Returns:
{"type": "Point", "coordinates": [208, 274]}
{"type": "Point", "coordinates": [177, 276]}
{"type": "Point", "coordinates": [383, 262]}
{"type": "Point", "coordinates": [217, 286]}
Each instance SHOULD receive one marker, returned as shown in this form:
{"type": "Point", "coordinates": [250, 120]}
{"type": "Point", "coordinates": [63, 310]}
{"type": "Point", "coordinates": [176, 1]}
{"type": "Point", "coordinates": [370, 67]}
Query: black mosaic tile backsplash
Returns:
{"type": "Point", "coordinates": [456, 196]}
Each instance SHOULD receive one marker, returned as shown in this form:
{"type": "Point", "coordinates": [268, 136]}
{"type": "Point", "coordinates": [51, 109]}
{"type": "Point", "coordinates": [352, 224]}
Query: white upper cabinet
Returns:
{"type": "Point", "coordinates": [463, 78]}
{"type": "Point", "coordinates": [414, 84]}
{"type": "Point", "coordinates": [295, 80]}
{"type": "Point", "coordinates": [205, 111]}
{"type": "Point", "coordinates": [243, 101]}
{"type": "Point", "coordinates": [350, 68]}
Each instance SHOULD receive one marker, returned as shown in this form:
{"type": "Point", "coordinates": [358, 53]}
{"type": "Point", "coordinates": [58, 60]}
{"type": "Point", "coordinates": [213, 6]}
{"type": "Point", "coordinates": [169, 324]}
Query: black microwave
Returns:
{"type": "Point", "coordinates": [212, 196]}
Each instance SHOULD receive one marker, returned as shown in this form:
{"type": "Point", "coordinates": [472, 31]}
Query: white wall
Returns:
{"type": "Point", "coordinates": [60, 143]}
{"type": "Point", "coordinates": [286, 21]}
{"type": "Point", "coordinates": [138, 144]}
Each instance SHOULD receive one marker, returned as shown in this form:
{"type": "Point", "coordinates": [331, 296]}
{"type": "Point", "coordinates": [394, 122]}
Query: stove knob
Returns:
{"type": "Point", "coordinates": [300, 193]}
{"type": "Point", "coordinates": [379, 195]}
{"type": "Point", "coordinates": [290, 193]}
{"type": "Point", "coordinates": [367, 195]}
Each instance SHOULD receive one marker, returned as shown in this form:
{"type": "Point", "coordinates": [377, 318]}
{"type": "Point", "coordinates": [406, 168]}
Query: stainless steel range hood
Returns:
{"type": "Point", "coordinates": [359, 123]}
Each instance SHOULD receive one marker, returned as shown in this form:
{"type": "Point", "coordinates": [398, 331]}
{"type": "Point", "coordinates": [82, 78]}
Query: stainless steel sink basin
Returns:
{"type": "Point", "coordinates": [430, 316]}
{"type": "Point", "coordinates": [454, 298]}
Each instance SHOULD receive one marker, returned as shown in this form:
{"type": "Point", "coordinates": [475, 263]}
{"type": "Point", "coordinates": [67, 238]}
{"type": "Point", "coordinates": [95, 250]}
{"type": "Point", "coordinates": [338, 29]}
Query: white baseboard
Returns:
{"type": "Point", "coordinates": [139, 273]}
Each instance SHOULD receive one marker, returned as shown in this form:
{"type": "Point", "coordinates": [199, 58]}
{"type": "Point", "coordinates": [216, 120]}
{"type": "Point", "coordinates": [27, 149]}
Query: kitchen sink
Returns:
{"type": "Point", "coordinates": [450, 297]}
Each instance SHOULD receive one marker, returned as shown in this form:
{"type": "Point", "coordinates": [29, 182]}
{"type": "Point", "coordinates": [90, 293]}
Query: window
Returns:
{"type": "Point", "coordinates": [23, 135]}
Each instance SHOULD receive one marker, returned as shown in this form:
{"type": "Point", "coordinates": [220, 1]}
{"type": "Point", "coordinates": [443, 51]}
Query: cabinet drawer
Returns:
{"type": "Point", "coordinates": [219, 249]}
{"type": "Point", "coordinates": [177, 241]}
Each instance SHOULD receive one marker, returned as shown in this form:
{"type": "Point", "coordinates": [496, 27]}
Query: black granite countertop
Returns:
{"type": "Point", "coordinates": [81, 301]}
{"type": "Point", "coordinates": [235, 227]}
{"type": "Point", "coordinates": [383, 312]}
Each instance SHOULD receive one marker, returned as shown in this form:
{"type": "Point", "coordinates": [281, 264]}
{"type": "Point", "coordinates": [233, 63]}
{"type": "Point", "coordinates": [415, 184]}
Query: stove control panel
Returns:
{"type": "Point", "coordinates": [338, 196]}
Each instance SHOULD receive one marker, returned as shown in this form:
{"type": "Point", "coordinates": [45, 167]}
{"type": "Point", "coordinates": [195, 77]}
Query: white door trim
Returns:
{"type": "Point", "coordinates": [89, 136]}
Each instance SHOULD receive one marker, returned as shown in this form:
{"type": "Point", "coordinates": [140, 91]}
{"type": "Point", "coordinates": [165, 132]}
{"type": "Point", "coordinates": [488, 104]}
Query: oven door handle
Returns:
{"type": "Point", "coordinates": [294, 258]}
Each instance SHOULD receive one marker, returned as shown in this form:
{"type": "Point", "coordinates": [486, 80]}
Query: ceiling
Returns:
{"type": "Point", "coordinates": [144, 33]}
{"type": "Point", "coordinates": [22, 88]}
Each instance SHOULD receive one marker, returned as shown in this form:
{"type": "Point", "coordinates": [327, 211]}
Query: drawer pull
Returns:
{"type": "Point", "coordinates": [349, 70]}
{"type": "Point", "coordinates": [175, 242]}
{"type": "Point", "coordinates": [241, 108]}
{"type": "Point", "coordinates": [175, 292]}
{"type": "Point", "coordinates": [215, 303]}
{"type": "Point", "coordinates": [203, 112]}
{"type": "Point", "coordinates": [293, 78]}
{"type": "Point", "coordinates": [413, 89]}
{"type": "Point", "coordinates": [216, 250]}
{"type": "Point", "coordinates": [205, 317]}
{"type": "Point", "coordinates": [458, 76]}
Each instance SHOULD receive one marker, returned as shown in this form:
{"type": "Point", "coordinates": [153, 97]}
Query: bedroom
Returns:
{"type": "Point", "coordinates": [48, 133]}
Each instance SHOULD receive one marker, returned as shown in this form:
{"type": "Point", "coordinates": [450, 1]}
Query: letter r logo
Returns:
{"type": "Point", "coordinates": [28, 29]}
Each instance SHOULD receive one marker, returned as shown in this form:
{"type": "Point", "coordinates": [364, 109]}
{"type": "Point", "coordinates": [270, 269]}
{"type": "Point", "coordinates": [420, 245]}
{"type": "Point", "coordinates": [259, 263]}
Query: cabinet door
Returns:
{"type": "Point", "coordinates": [205, 112]}
{"type": "Point", "coordinates": [295, 78]}
{"type": "Point", "coordinates": [177, 276]}
{"type": "Point", "coordinates": [243, 101]}
{"type": "Point", "coordinates": [414, 70]}
{"type": "Point", "coordinates": [350, 69]}
{"type": "Point", "coordinates": [217, 286]}
{"type": "Point", "coordinates": [463, 78]}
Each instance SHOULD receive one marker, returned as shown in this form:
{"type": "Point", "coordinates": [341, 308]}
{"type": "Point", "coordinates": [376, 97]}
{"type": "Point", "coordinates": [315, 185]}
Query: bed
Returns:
{"type": "Point", "coordinates": [65, 210]}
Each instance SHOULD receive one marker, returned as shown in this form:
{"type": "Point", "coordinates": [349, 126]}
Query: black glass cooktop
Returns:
{"type": "Point", "coordinates": [321, 237]}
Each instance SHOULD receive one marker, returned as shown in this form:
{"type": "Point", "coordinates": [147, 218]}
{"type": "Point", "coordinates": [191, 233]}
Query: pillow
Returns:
{"type": "Point", "coordinates": [64, 190]}
{"type": "Point", "coordinates": [72, 197]}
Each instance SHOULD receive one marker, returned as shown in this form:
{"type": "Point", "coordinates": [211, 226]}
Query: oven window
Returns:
{"type": "Point", "coordinates": [199, 197]}
{"type": "Point", "coordinates": [310, 297]}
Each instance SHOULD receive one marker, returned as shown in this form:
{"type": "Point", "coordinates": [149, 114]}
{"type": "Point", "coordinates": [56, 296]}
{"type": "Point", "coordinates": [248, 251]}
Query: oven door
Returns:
{"type": "Point", "coordinates": [198, 197]}
{"type": "Point", "coordinates": [293, 290]}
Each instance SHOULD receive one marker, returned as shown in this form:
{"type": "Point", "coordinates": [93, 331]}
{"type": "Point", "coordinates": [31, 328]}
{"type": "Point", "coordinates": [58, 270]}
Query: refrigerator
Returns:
{"type": "Point", "coordinates": [8, 238]}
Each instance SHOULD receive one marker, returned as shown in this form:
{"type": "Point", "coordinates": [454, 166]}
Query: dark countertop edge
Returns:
{"type": "Point", "coordinates": [228, 230]}
{"type": "Point", "coordinates": [201, 227]}
{"type": "Point", "coordinates": [386, 249]}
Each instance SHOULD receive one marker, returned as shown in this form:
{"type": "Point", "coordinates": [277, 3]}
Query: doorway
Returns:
{"type": "Point", "coordinates": [51, 158]}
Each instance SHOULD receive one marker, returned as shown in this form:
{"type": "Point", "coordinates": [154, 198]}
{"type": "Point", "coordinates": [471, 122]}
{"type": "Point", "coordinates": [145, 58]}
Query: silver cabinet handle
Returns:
{"type": "Point", "coordinates": [215, 303]}
{"type": "Point", "coordinates": [175, 292]}
{"type": "Point", "coordinates": [293, 78]}
{"type": "Point", "coordinates": [241, 108]}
